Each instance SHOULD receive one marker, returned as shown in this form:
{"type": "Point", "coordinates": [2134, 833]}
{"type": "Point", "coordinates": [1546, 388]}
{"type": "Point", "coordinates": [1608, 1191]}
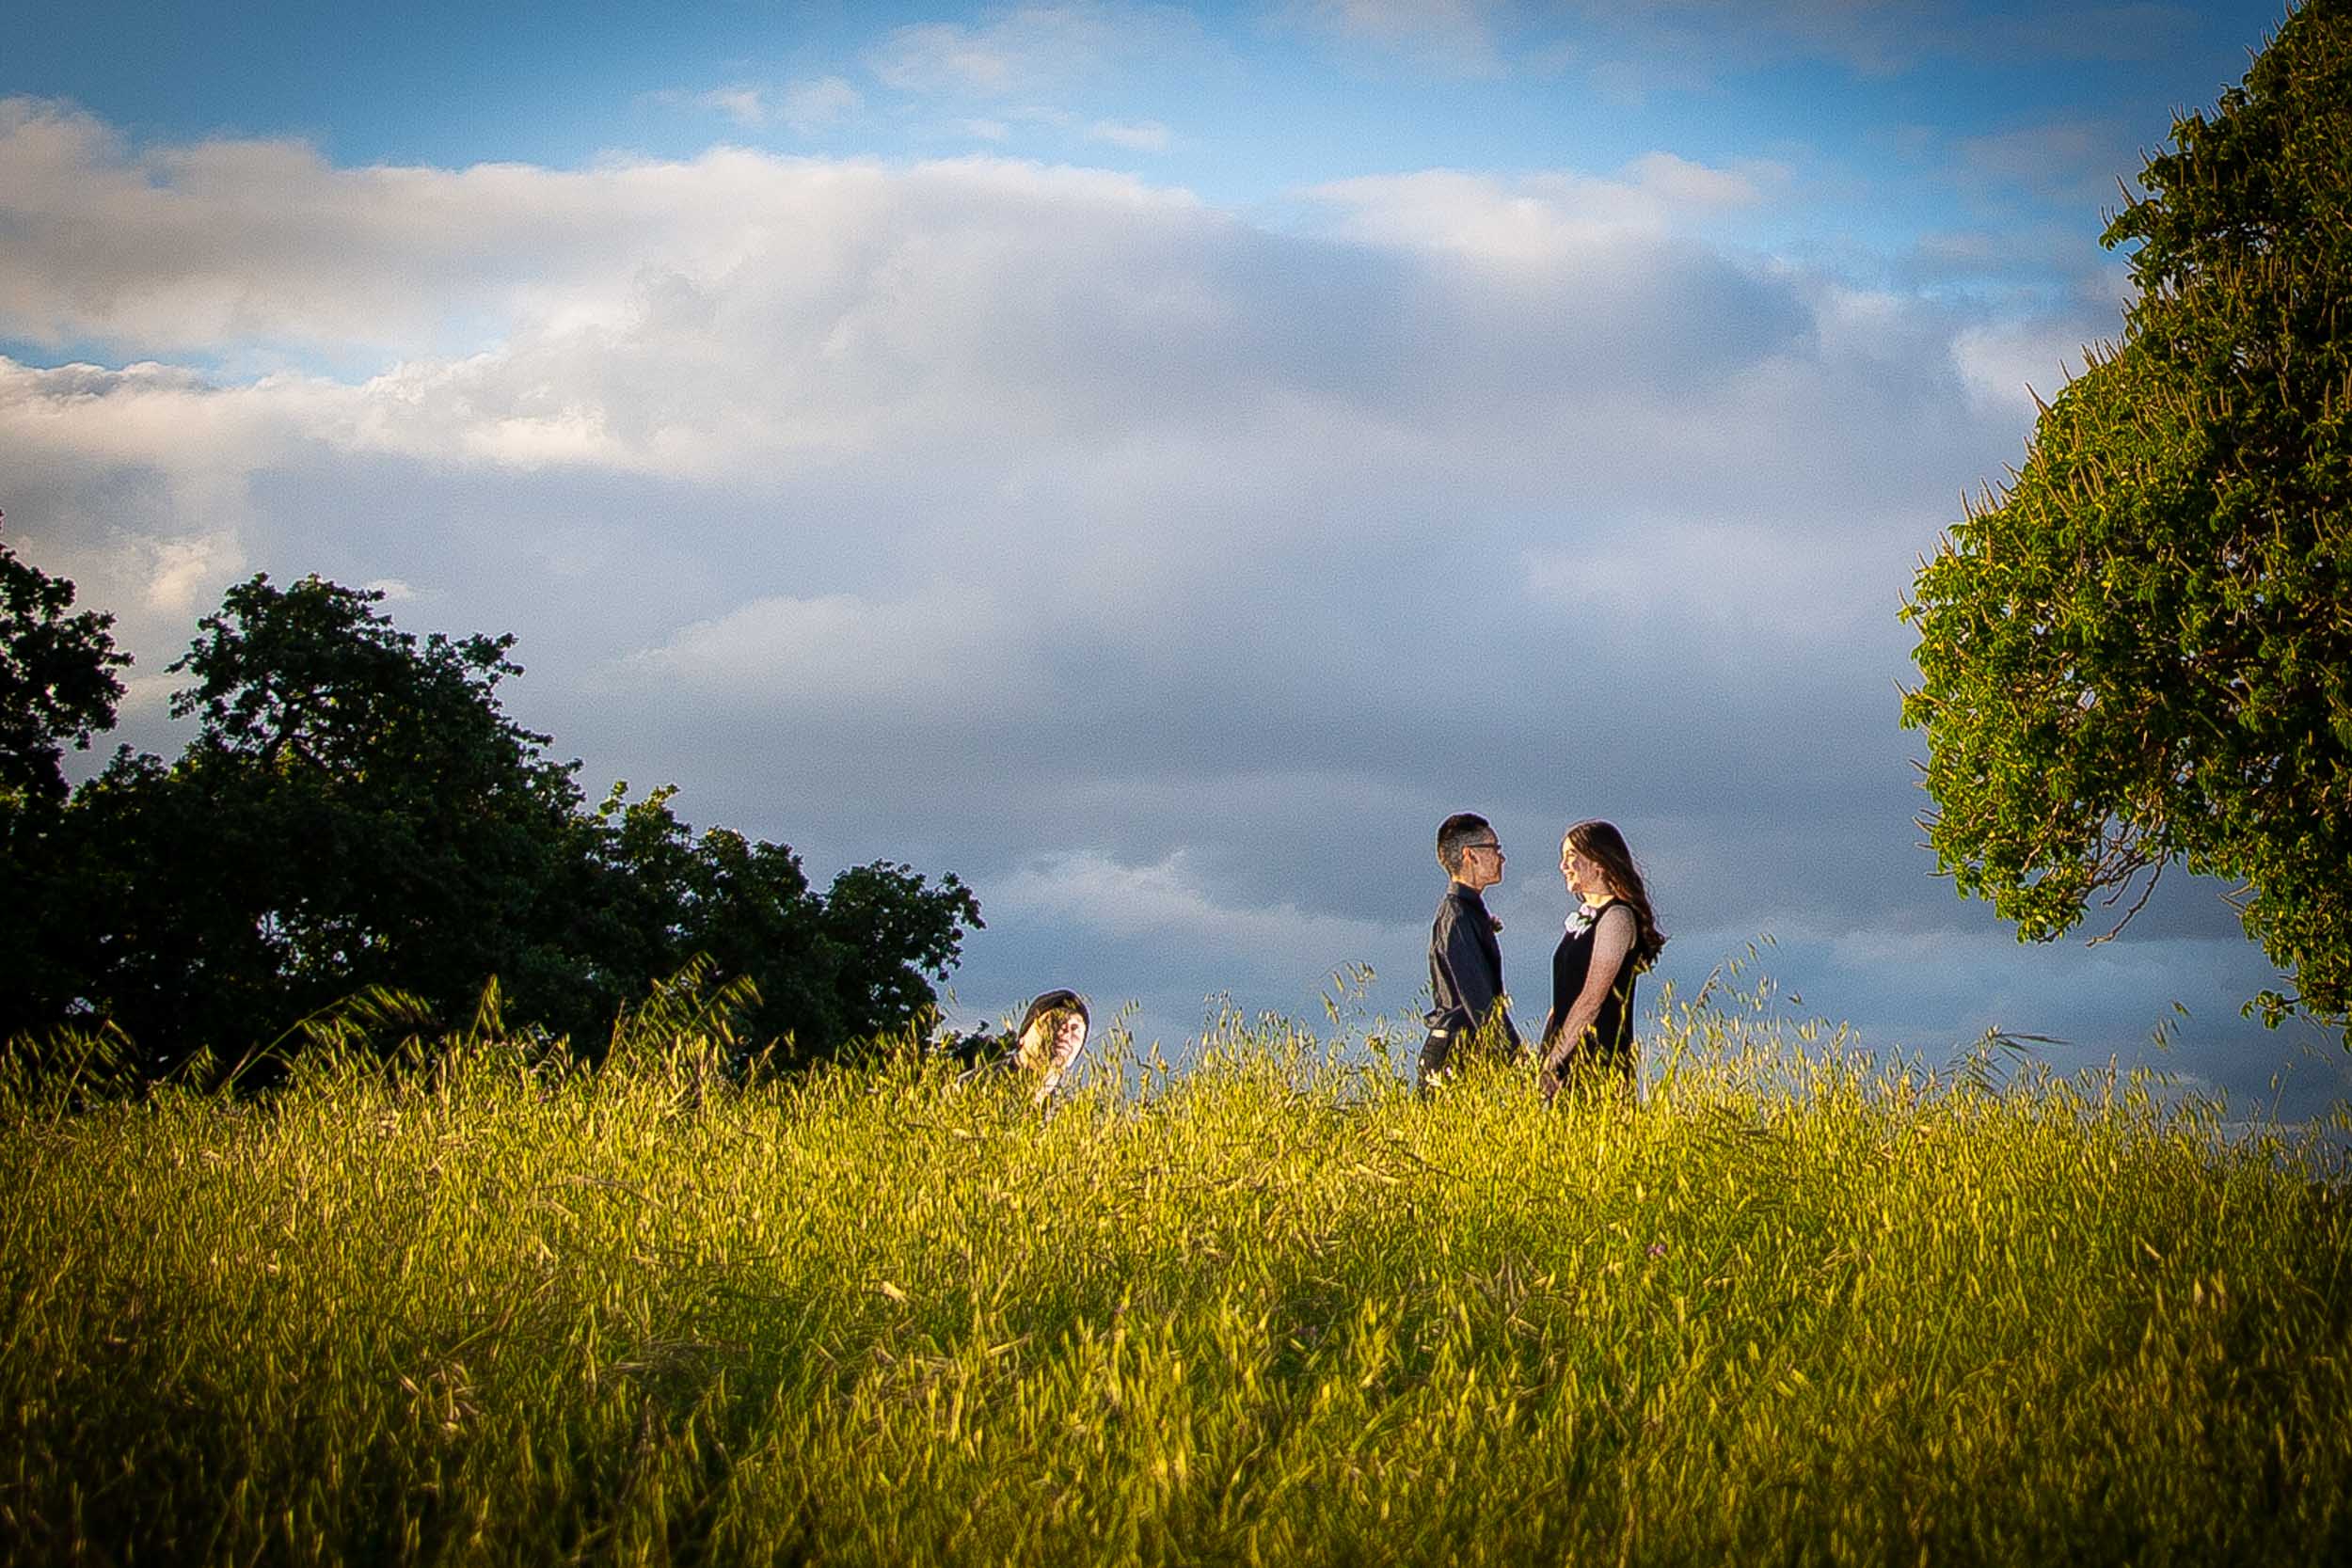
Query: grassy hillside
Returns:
{"type": "Point", "coordinates": [1273, 1310]}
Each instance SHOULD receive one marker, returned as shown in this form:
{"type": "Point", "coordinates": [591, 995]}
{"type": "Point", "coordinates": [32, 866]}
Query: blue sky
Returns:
{"type": "Point", "coordinates": [1151, 460]}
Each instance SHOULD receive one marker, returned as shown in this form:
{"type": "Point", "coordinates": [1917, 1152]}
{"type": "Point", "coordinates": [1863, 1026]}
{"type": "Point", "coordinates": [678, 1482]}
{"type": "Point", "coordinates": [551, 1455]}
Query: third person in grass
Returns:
{"type": "Point", "coordinates": [1611, 938]}
{"type": "Point", "coordinates": [1053, 1033]}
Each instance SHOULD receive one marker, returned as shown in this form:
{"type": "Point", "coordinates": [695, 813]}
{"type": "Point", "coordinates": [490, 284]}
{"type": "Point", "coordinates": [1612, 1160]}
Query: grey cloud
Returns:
{"type": "Point", "coordinates": [1163, 574]}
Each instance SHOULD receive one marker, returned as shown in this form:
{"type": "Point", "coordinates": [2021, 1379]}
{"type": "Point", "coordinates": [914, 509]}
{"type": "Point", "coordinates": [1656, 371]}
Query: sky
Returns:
{"type": "Point", "coordinates": [1152, 461]}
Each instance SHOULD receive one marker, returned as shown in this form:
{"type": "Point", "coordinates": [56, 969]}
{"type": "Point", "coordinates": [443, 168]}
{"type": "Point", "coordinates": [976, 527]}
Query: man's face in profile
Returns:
{"type": "Point", "coordinates": [1481, 864]}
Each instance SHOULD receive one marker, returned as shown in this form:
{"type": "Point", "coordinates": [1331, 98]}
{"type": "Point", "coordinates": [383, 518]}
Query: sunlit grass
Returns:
{"type": "Point", "coordinates": [1798, 1305]}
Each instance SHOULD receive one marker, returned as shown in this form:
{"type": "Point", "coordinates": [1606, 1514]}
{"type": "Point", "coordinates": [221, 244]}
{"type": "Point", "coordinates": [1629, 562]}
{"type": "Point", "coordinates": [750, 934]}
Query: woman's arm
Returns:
{"type": "Point", "coordinates": [1613, 943]}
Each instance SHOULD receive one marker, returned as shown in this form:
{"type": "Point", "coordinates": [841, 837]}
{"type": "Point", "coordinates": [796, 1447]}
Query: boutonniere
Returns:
{"type": "Point", "coordinates": [1495, 921]}
{"type": "Point", "coordinates": [1581, 919]}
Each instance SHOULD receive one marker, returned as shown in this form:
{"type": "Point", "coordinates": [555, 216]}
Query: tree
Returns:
{"type": "Point", "coordinates": [58, 687]}
{"type": "Point", "coordinates": [357, 811]}
{"type": "Point", "coordinates": [886, 910]}
{"type": "Point", "coordinates": [850, 965]}
{"type": "Point", "coordinates": [57, 679]}
{"type": "Point", "coordinates": [2140, 651]}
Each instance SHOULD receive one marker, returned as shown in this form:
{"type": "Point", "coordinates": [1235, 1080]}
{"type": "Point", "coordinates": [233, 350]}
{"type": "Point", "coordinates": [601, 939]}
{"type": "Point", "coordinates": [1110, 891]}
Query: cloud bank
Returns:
{"type": "Point", "coordinates": [1166, 572]}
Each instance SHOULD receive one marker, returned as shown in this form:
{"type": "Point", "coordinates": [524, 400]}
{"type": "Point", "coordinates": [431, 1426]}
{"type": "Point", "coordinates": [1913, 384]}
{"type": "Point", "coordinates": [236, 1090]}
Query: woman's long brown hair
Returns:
{"type": "Point", "coordinates": [1601, 841]}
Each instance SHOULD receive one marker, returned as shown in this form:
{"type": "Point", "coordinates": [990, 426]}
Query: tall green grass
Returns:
{"type": "Point", "coordinates": [1797, 1306]}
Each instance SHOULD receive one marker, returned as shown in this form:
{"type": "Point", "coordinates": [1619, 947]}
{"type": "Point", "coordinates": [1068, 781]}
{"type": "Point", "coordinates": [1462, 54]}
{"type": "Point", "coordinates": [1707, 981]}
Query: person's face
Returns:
{"type": "Point", "coordinates": [1070, 1037]}
{"type": "Point", "coordinates": [1582, 873]}
{"type": "Point", "coordinates": [1482, 863]}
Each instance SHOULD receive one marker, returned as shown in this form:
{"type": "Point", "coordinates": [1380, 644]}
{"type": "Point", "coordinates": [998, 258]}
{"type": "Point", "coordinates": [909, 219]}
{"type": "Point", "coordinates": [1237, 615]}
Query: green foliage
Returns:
{"type": "Point", "coordinates": [57, 681]}
{"type": "Point", "coordinates": [2140, 651]}
{"type": "Point", "coordinates": [354, 811]}
{"type": "Point", "coordinates": [1797, 1307]}
{"type": "Point", "coordinates": [58, 687]}
{"type": "Point", "coordinates": [356, 814]}
{"type": "Point", "coordinates": [849, 965]}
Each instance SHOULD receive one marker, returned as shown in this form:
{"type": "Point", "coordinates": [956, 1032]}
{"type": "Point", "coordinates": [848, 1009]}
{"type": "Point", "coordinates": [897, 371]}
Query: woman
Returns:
{"type": "Point", "coordinates": [1611, 937]}
{"type": "Point", "coordinates": [1053, 1033]}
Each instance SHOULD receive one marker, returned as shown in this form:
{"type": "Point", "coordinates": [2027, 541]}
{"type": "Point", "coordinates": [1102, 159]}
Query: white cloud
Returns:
{"type": "Point", "coordinates": [958, 507]}
{"type": "Point", "coordinates": [743, 106]}
{"type": "Point", "coordinates": [2007, 364]}
{"type": "Point", "coordinates": [933, 652]}
{"type": "Point", "coordinates": [185, 573]}
{"type": "Point", "coordinates": [851, 419]}
{"type": "Point", "coordinates": [816, 105]}
{"type": "Point", "coordinates": [1166, 900]}
{"type": "Point", "coordinates": [941, 55]}
{"type": "Point", "coordinates": [1459, 37]}
{"type": "Point", "coordinates": [1147, 135]}
{"type": "Point", "coordinates": [228, 243]}
{"type": "Point", "coordinates": [1737, 586]}
{"type": "Point", "coordinates": [859, 487]}
{"type": "Point", "coordinates": [1030, 48]}
{"type": "Point", "coordinates": [806, 106]}
{"type": "Point", "coordinates": [1678, 185]}
{"type": "Point", "coordinates": [646, 316]}
{"type": "Point", "coordinates": [1537, 218]}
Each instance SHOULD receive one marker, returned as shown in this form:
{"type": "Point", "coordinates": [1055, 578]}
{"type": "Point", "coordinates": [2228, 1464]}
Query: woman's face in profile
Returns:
{"type": "Point", "coordinates": [1581, 873]}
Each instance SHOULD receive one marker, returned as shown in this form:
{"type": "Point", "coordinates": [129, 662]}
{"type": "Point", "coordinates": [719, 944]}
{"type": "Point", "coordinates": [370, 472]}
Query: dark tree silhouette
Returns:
{"type": "Point", "coordinates": [357, 811]}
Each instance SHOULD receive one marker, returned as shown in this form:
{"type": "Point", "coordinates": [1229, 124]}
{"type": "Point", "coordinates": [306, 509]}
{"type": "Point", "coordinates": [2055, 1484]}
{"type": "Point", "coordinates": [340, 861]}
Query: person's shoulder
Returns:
{"type": "Point", "coordinates": [1619, 913]}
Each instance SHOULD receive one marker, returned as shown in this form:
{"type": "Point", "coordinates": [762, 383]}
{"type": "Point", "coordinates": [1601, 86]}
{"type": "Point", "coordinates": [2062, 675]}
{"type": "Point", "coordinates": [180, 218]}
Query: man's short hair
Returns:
{"type": "Point", "coordinates": [1453, 833]}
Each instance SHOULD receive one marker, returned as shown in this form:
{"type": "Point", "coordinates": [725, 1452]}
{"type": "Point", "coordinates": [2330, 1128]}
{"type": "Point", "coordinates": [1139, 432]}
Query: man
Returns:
{"type": "Point", "coordinates": [1465, 960]}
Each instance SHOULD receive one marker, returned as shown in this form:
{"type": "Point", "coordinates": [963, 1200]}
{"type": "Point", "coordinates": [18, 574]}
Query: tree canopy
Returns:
{"type": "Point", "coordinates": [57, 684]}
{"type": "Point", "coordinates": [2138, 651]}
{"type": "Point", "coordinates": [58, 689]}
{"type": "Point", "coordinates": [357, 811]}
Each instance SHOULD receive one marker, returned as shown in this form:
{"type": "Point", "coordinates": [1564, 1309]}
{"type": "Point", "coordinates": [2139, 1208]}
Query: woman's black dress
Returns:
{"type": "Point", "coordinates": [1607, 1049]}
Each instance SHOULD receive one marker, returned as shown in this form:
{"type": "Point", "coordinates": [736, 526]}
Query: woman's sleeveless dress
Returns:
{"type": "Point", "coordinates": [1607, 1049]}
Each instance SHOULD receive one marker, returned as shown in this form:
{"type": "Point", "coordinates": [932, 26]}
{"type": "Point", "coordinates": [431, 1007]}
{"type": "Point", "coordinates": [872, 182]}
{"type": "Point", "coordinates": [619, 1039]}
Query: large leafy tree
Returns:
{"type": "Point", "coordinates": [2140, 651]}
{"type": "Point", "coordinates": [58, 689]}
{"type": "Point", "coordinates": [57, 683]}
{"type": "Point", "coordinates": [357, 810]}
{"type": "Point", "coordinates": [852, 964]}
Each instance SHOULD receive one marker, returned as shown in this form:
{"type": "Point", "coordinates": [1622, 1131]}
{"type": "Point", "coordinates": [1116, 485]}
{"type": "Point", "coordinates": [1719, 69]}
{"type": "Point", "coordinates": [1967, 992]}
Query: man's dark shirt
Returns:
{"type": "Point", "coordinates": [1466, 967]}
